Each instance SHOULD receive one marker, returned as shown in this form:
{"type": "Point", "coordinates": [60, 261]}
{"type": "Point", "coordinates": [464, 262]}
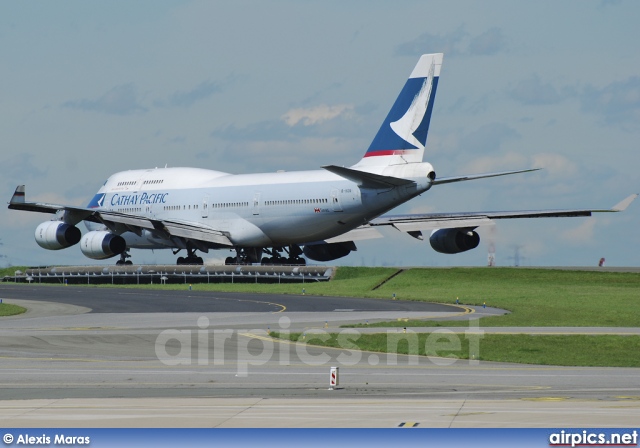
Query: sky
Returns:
{"type": "Point", "coordinates": [92, 88]}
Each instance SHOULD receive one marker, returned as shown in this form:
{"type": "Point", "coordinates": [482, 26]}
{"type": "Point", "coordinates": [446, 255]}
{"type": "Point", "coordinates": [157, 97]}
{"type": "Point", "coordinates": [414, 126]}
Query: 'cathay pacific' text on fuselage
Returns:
{"type": "Point", "coordinates": [138, 199]}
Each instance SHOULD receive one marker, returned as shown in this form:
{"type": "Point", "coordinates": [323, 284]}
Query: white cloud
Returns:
{"type": "Point", "coordinates": [448, 43]}
{"type": "Point", "coordinates": [488, 43]}
{"type": "Point", "coordinates": [120, 100]}
{"type": "Point", "coordinates": [17, 219]}
{"type": "Point", "coordinates": [582, 234]}
{"type": "Point", "coordinates": [534, 91]}
{"type": "Point", "coordinates": [618, 102]}
{"type": "Point", "coordinates": [316, 115]}
{"type": "Point", "coordinates": [19, 168]}
{"type": "Point", "coordinates": [488, 138]}
{"type": "Point", "coordinates": [187, 98]}
{"type": "Point", "coordinates": [455, 43]}
{"type": "Point", "coordinates": [555, 165]}
{"type": "Point", "coordinates": [304, 153]}
{"type": "Point", "coordinates": [502, 162]}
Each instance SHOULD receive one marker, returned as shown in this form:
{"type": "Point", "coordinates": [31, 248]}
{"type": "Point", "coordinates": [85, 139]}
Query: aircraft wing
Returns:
{"type": "Point", "coordinates": [365, 232]}
{"type": "Point", "coordinates": [431, 221]}
{"type": "Point", "coordinates": [121, 222]}
{"type": "Point", "coordinates": [118, 223]}
{"type": "Point", "coordinates": [415, 224]}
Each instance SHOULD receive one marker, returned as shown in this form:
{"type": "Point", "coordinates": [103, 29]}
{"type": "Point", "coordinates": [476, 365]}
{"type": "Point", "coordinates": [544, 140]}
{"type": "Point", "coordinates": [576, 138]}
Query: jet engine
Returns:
{"type": "Point", "coordinates": [55, 235]}
{"type": "Point", "coordinates": [454, 241]}
{"type": "Point", "coordinates": [100, 245]}
{"type": "Point", "coordinates": [329, 251]}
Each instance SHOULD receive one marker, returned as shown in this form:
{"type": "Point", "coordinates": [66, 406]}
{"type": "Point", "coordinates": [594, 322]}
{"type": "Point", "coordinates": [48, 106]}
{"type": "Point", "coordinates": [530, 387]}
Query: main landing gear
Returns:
{"type": "Point", "coordinates": [245, 255]}
{"type": "Point", "coordinates": [250, 255]}
{"type": "Point", "coordinates": [123, 259]}
{"type": "Point", "coordinates": [191, 258]}
{"type": "Point", "coordinates": [293, 258]}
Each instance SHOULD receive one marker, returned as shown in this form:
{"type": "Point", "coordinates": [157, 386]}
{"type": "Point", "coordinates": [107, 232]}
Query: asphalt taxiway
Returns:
{"type": "Point", "coordinates": [123, 300]}
{"type": "Point", "coordinates": [110, 357]}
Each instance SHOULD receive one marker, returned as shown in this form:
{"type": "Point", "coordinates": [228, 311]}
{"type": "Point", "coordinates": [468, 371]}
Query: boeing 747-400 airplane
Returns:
{"type": "Point", "coordinates": [277, 217]}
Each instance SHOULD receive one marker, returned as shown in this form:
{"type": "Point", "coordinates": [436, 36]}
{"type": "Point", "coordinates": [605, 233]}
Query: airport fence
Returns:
{"type": "Point", "coordinates": [169, 274]}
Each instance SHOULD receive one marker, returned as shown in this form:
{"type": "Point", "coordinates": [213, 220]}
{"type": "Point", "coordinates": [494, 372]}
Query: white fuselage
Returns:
{"type": "Point", "coordinates": [254, 210]}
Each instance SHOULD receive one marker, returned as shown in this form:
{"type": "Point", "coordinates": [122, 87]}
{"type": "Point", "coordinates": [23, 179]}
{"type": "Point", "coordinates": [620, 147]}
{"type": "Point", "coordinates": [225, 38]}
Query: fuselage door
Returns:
{"type": "Point", "coordinates": [256, 203]}
{"type": "Point", "coordinates": [205, 206]}
{"type": "Point", "coordinates": [335, 200]}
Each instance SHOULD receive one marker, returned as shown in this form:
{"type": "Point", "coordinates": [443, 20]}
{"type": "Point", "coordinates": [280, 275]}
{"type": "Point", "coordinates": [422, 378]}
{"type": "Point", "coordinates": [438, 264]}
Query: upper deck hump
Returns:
{"type": "Point", "coordinates": [162, 178]}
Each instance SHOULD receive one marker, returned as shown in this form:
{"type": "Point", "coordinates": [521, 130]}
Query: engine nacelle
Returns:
{"type": "Point", "coordinates": [55, 235]}
{"type": "Point", "coordinates": [454, 241]}
{"type": "Point", "coordinates": [327, 251]}
{"type": "Point", "coordinates": [100, 245]}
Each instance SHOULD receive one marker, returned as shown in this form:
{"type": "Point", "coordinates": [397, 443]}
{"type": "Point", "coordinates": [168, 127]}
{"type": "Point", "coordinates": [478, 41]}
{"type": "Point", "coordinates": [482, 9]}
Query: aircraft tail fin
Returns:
{"type": "Point", "coordinates": [403, 134]}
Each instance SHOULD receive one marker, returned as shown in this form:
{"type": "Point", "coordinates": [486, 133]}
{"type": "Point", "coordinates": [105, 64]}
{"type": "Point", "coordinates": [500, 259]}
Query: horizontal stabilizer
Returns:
{"type": "Point", "coordinates": [449, 180]}
{"type": "Point", "coordinates": [367, 180]}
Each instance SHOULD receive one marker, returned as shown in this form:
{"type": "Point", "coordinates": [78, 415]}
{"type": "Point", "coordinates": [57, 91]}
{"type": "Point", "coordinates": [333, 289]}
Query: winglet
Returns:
{"type": "Point", "coordinates": [18, 195]}
{"type": "Point", "coordinates": [622, 205]}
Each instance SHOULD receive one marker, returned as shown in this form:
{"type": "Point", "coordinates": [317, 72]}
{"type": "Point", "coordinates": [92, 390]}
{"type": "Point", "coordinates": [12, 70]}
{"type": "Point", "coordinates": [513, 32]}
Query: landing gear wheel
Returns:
{"type": "Point", "coordinates": [123, 258]}
{"type": "Point", "coordinates": [230, 260]}
{"type": "Point", "coordinates": [191, 257]}
{"type": "Point", "coordinates": [291, 256]}
{"type": "Point", "coordinates": [128, 262]}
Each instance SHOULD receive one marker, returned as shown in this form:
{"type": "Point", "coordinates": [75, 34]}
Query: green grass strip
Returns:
{"type": "Point", "coordinates": [7, 309]}
{"type": "Point", "coordinates": [570, 350]}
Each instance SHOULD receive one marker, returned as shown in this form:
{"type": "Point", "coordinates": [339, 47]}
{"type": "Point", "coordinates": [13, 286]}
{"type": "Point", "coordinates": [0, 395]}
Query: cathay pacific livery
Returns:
{"type": "Point", "coordinates": [275, 218]}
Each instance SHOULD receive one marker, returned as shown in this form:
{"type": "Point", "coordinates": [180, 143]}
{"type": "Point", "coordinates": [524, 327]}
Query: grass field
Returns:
{"type": "Point", "coordinates": [575, 350]}
{"type": "Point", "coordinates": [535, 297]}
{"type": "Point", "coordinates": [7, 309]}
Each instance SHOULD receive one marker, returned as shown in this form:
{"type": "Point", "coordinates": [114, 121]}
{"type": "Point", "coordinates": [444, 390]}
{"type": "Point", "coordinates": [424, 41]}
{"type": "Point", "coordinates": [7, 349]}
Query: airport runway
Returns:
{"type": "Point", "coordinates": [79, 358]}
